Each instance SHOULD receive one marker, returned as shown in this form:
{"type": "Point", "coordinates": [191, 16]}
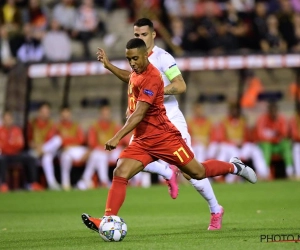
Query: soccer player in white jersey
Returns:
{"type": "Point", "coordinates": [174, 84]}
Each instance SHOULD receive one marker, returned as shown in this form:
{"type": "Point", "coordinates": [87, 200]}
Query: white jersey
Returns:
{"type": "Point", "coordinates": [163, 61]}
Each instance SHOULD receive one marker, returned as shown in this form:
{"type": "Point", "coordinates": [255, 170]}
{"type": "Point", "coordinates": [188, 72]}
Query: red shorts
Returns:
{"type": "Point", "coordinates": [170, 148]}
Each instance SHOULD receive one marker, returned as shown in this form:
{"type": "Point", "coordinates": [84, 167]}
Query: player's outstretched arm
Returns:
{"type": "Point", "coordinates": [168, 66]}
{"type": "Point", "coordinates": [122, 74]}
{"type": "Point", "coordinates": [176, 87]}
{"type": "Point", "coordinates": [134, 119]}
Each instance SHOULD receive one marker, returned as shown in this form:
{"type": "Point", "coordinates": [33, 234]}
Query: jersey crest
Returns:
{"type": "Point", "coordinates": [148, 92]}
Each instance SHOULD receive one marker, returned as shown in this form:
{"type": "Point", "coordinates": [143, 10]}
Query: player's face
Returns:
{"type": "Point", "coordinates": [273, 110]}
{"type": "Point", "coordinates": [138, 59]}
{"type": "Point", "coordinates": [146, 34]}
{"type": "Point", "coordinates": [66, 115]}
{"type": "Point", "coordinates": [7, 119]}
{"type": "Point", "coordinates": [234, 112]}
{"type": "Point", "coordinates": [44, 112]}
{"type": "Point", "coordinates": [105, 113]}
{"type": "Point", "coordinates": [198, 110]}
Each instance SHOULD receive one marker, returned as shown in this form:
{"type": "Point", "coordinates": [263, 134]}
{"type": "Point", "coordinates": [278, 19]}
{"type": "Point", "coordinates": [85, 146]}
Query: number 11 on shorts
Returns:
{"type": "Point", "coordinates": [177, 153]}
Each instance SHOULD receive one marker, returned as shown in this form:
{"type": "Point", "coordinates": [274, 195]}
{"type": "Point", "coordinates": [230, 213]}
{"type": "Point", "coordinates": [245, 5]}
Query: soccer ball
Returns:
{"type": "Point", "coordinates": [112, 228]}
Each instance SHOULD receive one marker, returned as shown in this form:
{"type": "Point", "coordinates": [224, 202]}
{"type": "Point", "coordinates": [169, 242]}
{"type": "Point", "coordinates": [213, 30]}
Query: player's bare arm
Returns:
{"type": "Point", "coordinates": [122, 74]}
{"type": "Point", "coordinates": [177, 86]}
{"type": "Point", "coordinates": [134, 119]}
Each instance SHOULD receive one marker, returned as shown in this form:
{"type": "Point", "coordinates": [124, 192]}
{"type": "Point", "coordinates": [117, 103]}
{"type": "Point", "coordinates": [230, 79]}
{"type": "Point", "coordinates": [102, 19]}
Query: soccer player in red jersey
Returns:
{"type": "Point", "coordinates": [151, 126]}
{"type": "Point", "coordinates": [11, 152]}
{"type": "Point", "coordinates": [273, 137]}
{"type": "Point", "coordinates": [174, 84]}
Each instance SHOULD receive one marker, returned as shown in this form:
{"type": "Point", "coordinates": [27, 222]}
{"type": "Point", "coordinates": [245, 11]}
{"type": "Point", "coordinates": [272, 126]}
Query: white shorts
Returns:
{"type": "Point", "coordinates": [178, 120]}
{"type": "Point", "coordinates": [76, 152]}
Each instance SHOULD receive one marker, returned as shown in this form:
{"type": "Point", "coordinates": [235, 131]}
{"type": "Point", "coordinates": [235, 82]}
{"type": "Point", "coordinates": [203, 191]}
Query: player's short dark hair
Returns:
{"type": "Point", "coordinates": [104, 102]}
{"type": "Point", "coordinates": [65, 107]}
{"type": "Point", "coordinates": [136, 43]}
{"type": "Point", "coordinates": [144, 22]}
{"type": "Point", "coordinates": [6, 111]}
{"type": "Point", "coordinates": [44, 103]}
{"type": "Point", "coordinates": [272, 104]}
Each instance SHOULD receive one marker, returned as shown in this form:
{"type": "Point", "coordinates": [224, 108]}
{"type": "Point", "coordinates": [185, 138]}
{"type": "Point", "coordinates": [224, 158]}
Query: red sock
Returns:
{"type": "Point", "coordinates": [214, 168]}
{"type": "Point", "coordinates": [116, 196]}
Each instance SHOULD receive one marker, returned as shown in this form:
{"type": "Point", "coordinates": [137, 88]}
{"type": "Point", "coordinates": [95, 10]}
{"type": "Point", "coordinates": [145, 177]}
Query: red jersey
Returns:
{"type": "Point", "coordinates": [100, 132]}
{"type": "Point", "coordinates": [216, 133]}
{"type": "Point", "coordinates": [271, 130]}
{"type": "Point", "coordinates": [11, 140]}
{"type": "Point", "coordinates": [234, 130]}
{"type": "Point", "coordinates": [40, 131]}
{"type": "Point", "coordinates": [200, 129]}
{"type": "Point", "coordinates": [295, 128]}
{"type": "Point", "coordinates": [149, 87]}
{"type": "Point", "coordinates": [70, 133]}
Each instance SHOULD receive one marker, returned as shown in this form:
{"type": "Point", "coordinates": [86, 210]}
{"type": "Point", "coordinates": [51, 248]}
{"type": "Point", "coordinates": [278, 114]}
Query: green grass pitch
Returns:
{"type": "Point", "coordinates": [51, 220]}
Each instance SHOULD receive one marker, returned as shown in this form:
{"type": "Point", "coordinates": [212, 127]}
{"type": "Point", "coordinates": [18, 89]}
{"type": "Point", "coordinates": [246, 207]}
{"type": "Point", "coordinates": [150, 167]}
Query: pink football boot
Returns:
{"type": "Point", "coordinates": [172, 183]}
{"type": "Point", "coordinates": [216, 220]}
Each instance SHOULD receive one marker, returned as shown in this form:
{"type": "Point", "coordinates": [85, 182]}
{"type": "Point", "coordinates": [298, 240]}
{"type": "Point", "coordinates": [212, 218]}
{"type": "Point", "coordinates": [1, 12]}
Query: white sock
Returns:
{"type": "Point", "coordinates": [235, 170]}
{"type": "Point", "coordinates": [204, 188]}
{"type": "Point", "coordinates": [101, 161]}
{"type": "Point", "coordinates": [89, 171]}
{"type": "Point", "coordinates": [289, 171]}
{"type": "Point", "coordinates": [136, 180]}
{"type": "Point", "coordinates": [102, 171]}
{"type": "Point", "coordinates": [145, 179]}
{"type": "Point", "coordinates": [90, 167]}
{"type": "Point", "coordinates": [48, 167]}
{"type": "Point", "coordinates": [66, 166]}
{"type": "Point", "coordinates": [160, 169]}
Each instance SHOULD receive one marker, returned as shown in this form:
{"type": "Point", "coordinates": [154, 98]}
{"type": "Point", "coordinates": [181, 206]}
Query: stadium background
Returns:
{"type": "Point", "coordinates": [51, 220]}
{"type": "Point", "coordinates": [216, 75]}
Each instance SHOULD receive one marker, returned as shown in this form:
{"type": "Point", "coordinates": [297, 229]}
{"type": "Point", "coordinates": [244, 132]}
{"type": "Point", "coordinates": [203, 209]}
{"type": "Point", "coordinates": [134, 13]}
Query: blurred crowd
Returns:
{"type": "Point", "coordinates": [218, 27]}
{"type": "Point", "coordinates": [273, 136]}
{"type": "Point", "coordinates": [39, 31]}
{"type": "Point", "coordinates": [64, 144]}
{"type": "Point", "coordinates": [36, 30]}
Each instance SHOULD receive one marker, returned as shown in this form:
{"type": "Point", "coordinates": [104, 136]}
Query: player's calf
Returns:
{"type": "Point", "coordinates": [194, 169]}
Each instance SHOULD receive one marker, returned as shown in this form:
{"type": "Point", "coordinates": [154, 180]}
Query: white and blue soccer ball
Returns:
{"type": "Point", "coordinates": [112, 228]}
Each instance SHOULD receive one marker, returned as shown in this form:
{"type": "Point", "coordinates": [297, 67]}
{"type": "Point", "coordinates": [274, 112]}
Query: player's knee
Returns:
{"type": "Point", "coordinates": [194, 170]}
{"type": "Point", "coordinates": [198, 176]}
{"type": "Point", "coordinates": [186, 176]}
{"type": "Point", "coordinates": [121, 171]}
{"type": "Point", "coordinates": [198, 173]}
